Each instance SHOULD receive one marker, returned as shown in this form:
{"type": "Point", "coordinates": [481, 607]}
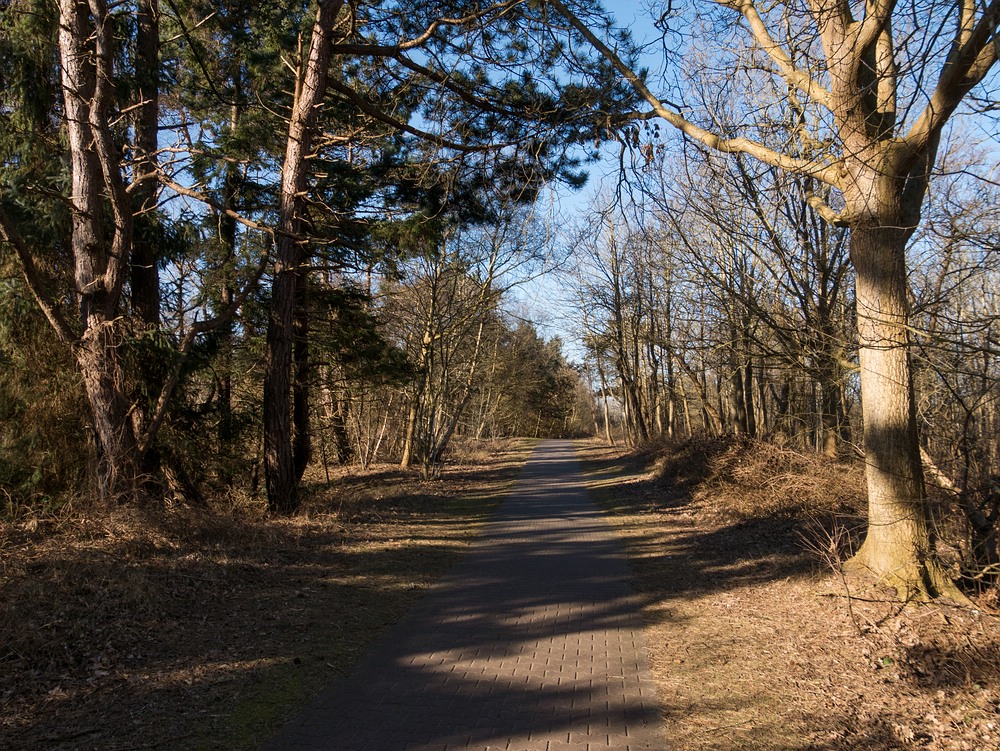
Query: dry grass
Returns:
{"type": "Point", "coordinates": [752, 642]}
{"type": "Point", "coordinates": [745, 479]}
{"type": "Point", "coordinates": [197, 629]}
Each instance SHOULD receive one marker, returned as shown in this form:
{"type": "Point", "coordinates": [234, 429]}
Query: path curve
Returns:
{"type": "Point", "coordinates": [533, 643]}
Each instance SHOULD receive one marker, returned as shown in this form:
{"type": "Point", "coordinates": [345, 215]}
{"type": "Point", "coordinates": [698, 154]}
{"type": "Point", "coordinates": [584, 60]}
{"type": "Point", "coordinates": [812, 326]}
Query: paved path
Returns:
{"type": "Point", "coordinates": [533, 643]}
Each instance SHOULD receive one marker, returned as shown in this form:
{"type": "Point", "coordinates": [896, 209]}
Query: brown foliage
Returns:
{"type": "Point", "coordinates": [755, 645]}
{"type": "Point", "coordinates": [747, 478]}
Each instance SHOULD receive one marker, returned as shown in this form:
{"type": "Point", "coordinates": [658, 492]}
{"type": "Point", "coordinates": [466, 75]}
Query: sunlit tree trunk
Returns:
{"type": "Point", "coordinates": [280, 470]}
{"type": "Point", "coordinates": [898, 537]}
{"type": "Point", "coordinates": [897, 546]}
{"type": "Point", "coordinates": [99, 261]}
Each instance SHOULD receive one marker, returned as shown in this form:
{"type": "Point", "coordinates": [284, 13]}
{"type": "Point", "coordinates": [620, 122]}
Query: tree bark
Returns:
{"type": "Point", "coordinates": [301, 434]}
{"type": "Point", "coordinates": [422, 386]}
{"type": "Point", "coordinates": [144, 276]}
{"type": "Point", "coordinates": [290, 255]}
{"type": "Point", "coordinates": [98, 263]}
{"type": "Point", "coordinates": [897, 545]}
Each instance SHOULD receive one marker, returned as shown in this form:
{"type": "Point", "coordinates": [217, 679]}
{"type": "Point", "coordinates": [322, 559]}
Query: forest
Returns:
{"type": "Point", "coordinates": [242, 238]}
{"type": "Point", "coordinates": [243, 243]}
{"type": "Point", "coordinates": [250, 251]}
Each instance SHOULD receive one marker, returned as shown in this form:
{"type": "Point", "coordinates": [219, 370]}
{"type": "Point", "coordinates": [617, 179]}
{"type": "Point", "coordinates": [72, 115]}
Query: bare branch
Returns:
{"type": "Point", "coordinates": [797, 78]}
{"type": "Point", "coordinates": [209, 201]}
{"type": "Point", "coordinates": [819, 169]}
{"type": "Point", "coordinates": [34, 279]}
{"type": "Point", "coordinates": [973, 55]}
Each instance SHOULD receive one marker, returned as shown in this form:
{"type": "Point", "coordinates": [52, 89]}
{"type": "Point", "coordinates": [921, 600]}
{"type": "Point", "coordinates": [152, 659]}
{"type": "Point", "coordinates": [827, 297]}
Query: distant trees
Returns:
{"type": "Point", "coordinates": [721, 311]}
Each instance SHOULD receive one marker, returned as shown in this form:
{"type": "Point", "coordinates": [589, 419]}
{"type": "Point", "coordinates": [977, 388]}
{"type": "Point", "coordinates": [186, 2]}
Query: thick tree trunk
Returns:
{"type": "Point", "coordinates": [301, 434]}
{"type": "Point", "coordinates": [115, 440]}
{"type": "Point", "coordinates": [279, 464]}
{"type": "Point", "coordinates": [897, 546]}
{"type": "Point", "coordinates": [144, 276]}
{"type": "Point", "coordinates": [98, 263]}
{"type": "Point", "coordinates": [279, 457]}
{"type": "Point", "coordinates": [341, 437]}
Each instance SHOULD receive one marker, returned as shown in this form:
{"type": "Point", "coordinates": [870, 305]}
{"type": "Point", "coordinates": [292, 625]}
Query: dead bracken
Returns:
{"type": "Point", "coordinates": [753, 643]}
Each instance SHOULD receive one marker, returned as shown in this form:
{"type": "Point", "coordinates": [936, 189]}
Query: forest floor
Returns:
{"type": "Point", "coordinates": [754, 642]}
{"type": "Point", "coordinates": [179, 628]}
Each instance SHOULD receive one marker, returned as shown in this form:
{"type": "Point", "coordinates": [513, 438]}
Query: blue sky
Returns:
{"type": "Point", "coordinates": [544, 300]}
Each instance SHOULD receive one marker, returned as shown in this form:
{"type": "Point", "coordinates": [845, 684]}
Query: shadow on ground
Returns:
{"type": "Point", "coordinates": [203, 631]}
{"type": "Point", "coordinates": [753, 642]}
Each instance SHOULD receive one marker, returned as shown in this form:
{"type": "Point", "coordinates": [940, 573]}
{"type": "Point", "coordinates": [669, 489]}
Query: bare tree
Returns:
{"type": "Point", "coordinates": [889, 89]}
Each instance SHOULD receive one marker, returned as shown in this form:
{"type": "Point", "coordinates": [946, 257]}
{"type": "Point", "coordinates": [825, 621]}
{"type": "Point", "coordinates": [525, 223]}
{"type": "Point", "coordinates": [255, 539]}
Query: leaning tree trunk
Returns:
{"type": "Point", "coordinates": [279, 457]}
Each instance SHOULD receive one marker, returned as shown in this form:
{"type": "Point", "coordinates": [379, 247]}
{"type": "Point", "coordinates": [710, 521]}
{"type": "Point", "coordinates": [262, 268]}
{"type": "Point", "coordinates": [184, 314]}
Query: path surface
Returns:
{"type": "Point", "coordinates": [533, 643]}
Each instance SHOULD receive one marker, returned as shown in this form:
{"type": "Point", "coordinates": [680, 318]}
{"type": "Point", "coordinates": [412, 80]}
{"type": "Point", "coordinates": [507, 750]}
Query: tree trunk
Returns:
{"type": "Point", "coordinates": [227, 340]}
{"type": "Point", "coordinates": [739, 407]}
{"type": "Point", "coordinates": [279, 458]}
{"type": "Point", "coordinates": [831, 408]}
{"type": "Point", "coordinates": [341, 437]}
{"type": "Point", "coordinates": [144, 276]}
{"type": "Point", "coordinates": [117, 448]}
{"type": "Point", "coordinates": [279, 464]}
{"type": "Point", "coordinates": [749, 404]}
{"type": "Point", "coordinates": [301, 434]}
{"type": "Point", "coordinates": [417, 402]}
{"type": "Point", "coordinates": [606, 411]}
{"type": "Point", "coordinates": [98, 263]}
{"type": "Point", "coordinates": [470, 380]}
{"type": "Point", "coordinates": [897, 546]}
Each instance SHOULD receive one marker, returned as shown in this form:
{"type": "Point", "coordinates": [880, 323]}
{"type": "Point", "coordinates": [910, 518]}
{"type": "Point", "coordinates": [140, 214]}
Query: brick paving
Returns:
{"type": "Point", "coordinates": [533, 643]}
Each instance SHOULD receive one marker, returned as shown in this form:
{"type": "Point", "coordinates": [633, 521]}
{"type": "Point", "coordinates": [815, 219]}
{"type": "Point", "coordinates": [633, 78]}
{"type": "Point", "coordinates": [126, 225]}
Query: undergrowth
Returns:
{"type": "Point", "coordinates": [742, 479]}
{"type": "Point", "coordinates": [748, 478]}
